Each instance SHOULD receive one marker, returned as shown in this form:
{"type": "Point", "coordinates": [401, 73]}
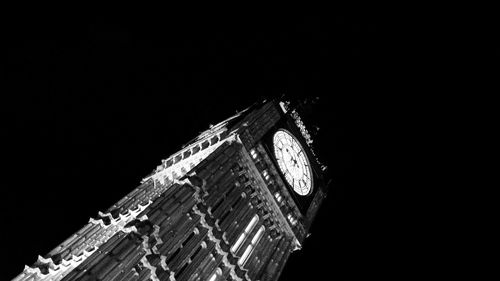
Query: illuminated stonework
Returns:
{"type": "Point", "coordinates": [218, 209]}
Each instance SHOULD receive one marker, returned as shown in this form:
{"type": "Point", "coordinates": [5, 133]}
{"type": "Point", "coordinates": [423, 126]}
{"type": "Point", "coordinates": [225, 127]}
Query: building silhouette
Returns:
{"type": "Point", "coordinates": [232, 204]}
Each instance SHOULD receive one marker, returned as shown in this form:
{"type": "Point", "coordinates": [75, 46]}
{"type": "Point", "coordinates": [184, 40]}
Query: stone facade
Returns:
{"type": "Point", "coordinates": [216, 210]}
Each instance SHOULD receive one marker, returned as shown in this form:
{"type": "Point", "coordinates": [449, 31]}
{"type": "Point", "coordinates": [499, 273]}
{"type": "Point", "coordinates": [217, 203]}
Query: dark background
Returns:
{"type": "Point", "coordinates": [95, 103]}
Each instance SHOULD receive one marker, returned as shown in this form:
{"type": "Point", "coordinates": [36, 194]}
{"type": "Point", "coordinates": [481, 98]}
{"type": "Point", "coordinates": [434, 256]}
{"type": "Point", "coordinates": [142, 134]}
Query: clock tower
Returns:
{"type": "Point", "coordinates": [232, 204]}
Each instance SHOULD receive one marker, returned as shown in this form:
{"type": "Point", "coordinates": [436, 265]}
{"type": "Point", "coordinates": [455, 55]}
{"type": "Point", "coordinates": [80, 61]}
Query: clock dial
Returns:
{"type": "Point", "coordinates": [292, 162]}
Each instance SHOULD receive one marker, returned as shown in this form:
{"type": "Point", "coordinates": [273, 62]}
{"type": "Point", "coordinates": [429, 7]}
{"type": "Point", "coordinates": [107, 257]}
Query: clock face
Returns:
{"type": "Point", "coordinates": [293, 162]}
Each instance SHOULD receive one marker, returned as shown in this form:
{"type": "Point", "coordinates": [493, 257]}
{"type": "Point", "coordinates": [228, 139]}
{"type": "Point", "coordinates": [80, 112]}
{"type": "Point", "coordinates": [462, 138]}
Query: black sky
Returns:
{"type": "Point", "coordinates": [95, 103]}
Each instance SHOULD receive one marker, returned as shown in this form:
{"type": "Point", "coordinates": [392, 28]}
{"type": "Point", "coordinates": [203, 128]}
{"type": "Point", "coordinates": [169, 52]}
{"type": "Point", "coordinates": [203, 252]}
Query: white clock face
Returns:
{"type": "Point", "coordinates": [293, 162]}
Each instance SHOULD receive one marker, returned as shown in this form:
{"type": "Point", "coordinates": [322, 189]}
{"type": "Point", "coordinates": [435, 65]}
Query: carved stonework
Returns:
{"type": "Point", "coordinates": [218, 209]}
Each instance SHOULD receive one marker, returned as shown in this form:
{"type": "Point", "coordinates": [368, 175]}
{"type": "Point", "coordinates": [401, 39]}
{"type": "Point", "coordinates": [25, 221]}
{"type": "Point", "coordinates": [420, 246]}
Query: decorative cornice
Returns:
{"type": "Point", "coordinates": [122, 219]}
{"type": "Point", "coordinates": [59, 270]}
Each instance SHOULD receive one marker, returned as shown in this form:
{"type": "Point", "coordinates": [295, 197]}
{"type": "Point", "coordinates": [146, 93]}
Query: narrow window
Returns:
{"type": "Point", "coordinates": [242, 237]}
{"type": "Point", "coordinates": [243, 259]}
{"type": "Point", "coordinates": [225, 215]}
{"type": "Point", "coordinates": [257, 236]}
{"type": "Point", "coordinates": [238, 243]}
{"type": "Point", "coordinates": [178, 273]}
{"type": "Point", "coordinates": [245, 255]}
{"type": "Point", "coordinates": [217, 273]}
{"type": "Point", "coordinates": [196, 252]}
{"type": "Point", "coordinates": [173, 255]}
{"type": "Point", "coordinates": [251, 224]}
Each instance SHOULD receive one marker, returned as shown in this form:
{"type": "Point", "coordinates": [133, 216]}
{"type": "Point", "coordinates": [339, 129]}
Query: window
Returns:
{"type": "Point", "coordinates": [196, 149]}
{"type": "Point", "coordinates": [177, 158]}
{"type": "Point", "coordinates": [238, 243]}
{"type": "Point", "coordinates": [278, 197]}
{"type": "Point", "coordinates": [292, 219]}
{"type": "Point", "coordinates": [253, 153]}
{"type": "Point", "coordinates": [205, 144]}
{"type": "Point", "coordinates": [245, 255]}
{"type": "Point", "coordinates": [243, 259]}
{"type": "Point", "coordinates": [217, 273]}
{"type": "Point", "coordinates": [266, 175]}
{"type": "Point", "coordinates": [245, 233]}
{"type": "Point", "coordinates": [257, 236]}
